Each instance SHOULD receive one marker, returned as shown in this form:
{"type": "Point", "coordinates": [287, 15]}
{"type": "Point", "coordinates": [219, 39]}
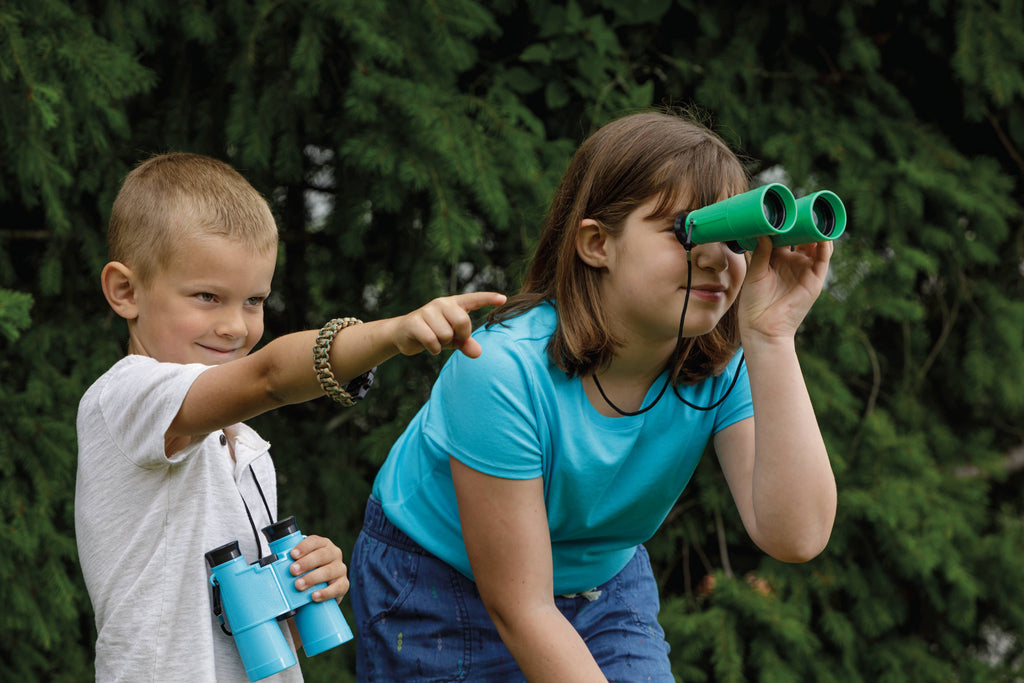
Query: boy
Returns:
{"type": "Point", "coordinates": [167, 470]}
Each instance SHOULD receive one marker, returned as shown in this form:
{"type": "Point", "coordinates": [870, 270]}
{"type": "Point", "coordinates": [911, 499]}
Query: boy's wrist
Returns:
{"type": "Point", "coordinates": [360, 386]}
{"type": "Point", "coordinates": [357, 388]}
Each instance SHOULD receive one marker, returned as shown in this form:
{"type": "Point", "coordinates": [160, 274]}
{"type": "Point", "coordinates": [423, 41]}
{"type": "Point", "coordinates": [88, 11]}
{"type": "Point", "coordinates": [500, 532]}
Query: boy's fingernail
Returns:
{"type": "Point", "coordinates": [296, 568]}
{"type": "Point", "coordinates": [300, 584]}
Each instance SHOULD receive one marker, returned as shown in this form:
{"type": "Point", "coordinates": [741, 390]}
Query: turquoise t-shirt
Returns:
{"type": "Point", "coordinates": [609, 482]}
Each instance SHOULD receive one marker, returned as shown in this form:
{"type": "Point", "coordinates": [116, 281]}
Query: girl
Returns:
{"type": "Point", "coordinates": [504, 535]}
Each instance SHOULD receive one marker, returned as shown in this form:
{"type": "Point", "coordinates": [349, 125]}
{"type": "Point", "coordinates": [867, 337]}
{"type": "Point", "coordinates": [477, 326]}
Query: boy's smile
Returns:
{"type": "Point", "coordinates": [205, 306]}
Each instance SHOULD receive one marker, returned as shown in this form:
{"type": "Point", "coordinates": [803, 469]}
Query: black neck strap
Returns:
{"type": "Point", "coordinates": [266, 506]}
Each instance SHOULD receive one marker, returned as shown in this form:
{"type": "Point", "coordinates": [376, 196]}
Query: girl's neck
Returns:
{"type": "Point", "coordinates": [639, 360]}
{"type": "Point", "coordinates": [627, 379]}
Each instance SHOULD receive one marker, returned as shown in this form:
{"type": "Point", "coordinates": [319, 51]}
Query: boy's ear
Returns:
{"type": "Point", "coordinates": [591, 243]}
{"type": "Point", "coordinates": [119, 283]}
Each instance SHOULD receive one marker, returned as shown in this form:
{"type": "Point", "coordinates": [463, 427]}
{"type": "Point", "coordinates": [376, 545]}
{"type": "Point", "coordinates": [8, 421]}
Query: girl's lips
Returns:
{"type": "Point", "coordinates": [712, 293]}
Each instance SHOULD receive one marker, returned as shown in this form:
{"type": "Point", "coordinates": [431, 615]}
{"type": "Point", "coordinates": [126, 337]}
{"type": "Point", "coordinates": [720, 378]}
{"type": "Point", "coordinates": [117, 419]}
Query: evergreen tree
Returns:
{"type": "Point", "coordinates": [411, 152]}
{"type": "Point", "coordinates": [63, 88]}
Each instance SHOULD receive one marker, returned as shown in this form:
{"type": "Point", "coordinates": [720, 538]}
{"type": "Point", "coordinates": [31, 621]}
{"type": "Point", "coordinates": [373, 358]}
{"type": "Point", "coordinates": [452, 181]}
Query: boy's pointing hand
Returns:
{"type": "Point", "coordinates": [443, 323]}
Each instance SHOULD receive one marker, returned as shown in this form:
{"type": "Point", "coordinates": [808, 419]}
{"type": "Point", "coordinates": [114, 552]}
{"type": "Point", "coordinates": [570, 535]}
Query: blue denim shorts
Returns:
{"type": "Point", "coordinates": [419, 619]}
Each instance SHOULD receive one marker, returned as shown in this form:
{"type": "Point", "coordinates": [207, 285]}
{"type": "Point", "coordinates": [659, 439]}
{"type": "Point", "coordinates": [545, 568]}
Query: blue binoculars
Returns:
{"type": "Point", "coordinates": [255, 597]}
{"type": "Point", "coordinates": [770, 210]}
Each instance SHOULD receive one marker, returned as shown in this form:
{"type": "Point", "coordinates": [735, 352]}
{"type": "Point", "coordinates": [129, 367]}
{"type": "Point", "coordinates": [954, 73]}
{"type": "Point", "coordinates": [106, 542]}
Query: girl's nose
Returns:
{"type": "Point", "coordinates": [713, 256]}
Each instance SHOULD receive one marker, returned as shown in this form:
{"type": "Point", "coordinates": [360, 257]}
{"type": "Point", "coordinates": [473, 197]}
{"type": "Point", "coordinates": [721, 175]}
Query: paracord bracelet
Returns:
{"type": "Point", "coordinates": [322, 364]}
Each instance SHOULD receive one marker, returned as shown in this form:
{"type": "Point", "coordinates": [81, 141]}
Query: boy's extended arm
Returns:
{"type": "Point", "coordinates": [282, 372]}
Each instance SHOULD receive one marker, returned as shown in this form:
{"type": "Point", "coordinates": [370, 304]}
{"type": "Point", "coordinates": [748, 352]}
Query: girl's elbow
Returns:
{"type": "Point", "coordinates": [803, 547]}
{"type": "Point", "coordinates": [510, 612]}
{"type": "Point", "coordinates": [802, 553]}
{"type": "Point", "coordinates": [796, 545]}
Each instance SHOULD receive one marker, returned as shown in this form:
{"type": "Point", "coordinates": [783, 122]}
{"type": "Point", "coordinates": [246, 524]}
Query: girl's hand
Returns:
{"type": "Point", "coordinates": [323, 561]}
{"type": "Point", "coordinates": [443, 323]}
{"type": "Point", "coordinates": [780, 287]}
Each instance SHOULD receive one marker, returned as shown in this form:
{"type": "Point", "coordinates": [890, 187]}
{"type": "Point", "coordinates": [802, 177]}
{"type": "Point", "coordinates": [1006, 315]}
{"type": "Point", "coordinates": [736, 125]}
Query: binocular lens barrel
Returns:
{"type": "Point", "coordinates": [774, 209]}
{"type": "Point", "coordinates": [767, 210]}
{"type": "Point", "coordinates": [823, 216]}
{"type": "Point", "coordinates": [222, 554]}
{"type": "Point", "coordinates": [279, 530]}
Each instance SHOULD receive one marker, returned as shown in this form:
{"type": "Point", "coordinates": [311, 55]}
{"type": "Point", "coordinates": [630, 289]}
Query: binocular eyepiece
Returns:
{"type": "Point", "coordinates": [255, 597]}
{"type": "Point", "coordinates": [770, 210]}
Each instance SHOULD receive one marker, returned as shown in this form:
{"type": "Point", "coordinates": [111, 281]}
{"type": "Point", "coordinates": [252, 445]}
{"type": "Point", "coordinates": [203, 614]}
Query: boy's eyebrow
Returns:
{"type": "Point", "coordinates": [200, 285]}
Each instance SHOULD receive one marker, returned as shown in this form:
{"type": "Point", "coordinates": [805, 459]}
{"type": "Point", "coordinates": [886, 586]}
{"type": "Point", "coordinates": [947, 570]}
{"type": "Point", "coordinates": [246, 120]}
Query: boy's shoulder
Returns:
{"type": "Point", "coordinates": [134, 364]}
{"type": "Point", "coordinates": [134, 378]}
{"type": "Point", "coordinates": [129, 408]}
{"type": "Point", "coordinates": [118, 371]}
{"type": "Point", "coordinates": [112, 373]}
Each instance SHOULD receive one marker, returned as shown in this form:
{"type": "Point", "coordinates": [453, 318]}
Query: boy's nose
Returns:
{"type": "Point", "coordinates": [232, 325]}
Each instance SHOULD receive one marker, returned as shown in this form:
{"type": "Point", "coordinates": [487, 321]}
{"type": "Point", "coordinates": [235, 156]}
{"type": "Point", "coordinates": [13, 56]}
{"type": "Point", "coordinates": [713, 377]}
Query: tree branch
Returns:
{"type": "Point", "coordinates": [723, 547]}
{"type": "Point", "coordinates": [1013, 462]}
{"type": "Point", "coordinates": [949, 315]}
{"type": "Point", "coordinates": [1005, 140]}
{"type": "Point", "coordinates": [876, 386]}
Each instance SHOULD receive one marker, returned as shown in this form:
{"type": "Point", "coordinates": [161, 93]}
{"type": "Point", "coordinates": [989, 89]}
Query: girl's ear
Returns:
{"type": "Point", "coordinates": [591, 243]}
{"type": "Point", "coordinates": [118, 283]}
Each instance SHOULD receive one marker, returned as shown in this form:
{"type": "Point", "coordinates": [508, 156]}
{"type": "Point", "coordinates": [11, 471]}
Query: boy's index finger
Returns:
{"type": "Point", "coordinates": [474, 300]}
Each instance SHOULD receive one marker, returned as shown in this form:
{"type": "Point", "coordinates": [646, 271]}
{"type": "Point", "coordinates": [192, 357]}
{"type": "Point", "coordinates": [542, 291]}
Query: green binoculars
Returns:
{"type": "Point", "coordinates": [770, 210]}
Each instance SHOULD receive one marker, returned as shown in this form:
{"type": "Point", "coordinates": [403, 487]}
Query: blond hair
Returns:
{"type": "Point", "coordinates": [170, 197]}
{"type": "Point", "coordinates": [618, 168]}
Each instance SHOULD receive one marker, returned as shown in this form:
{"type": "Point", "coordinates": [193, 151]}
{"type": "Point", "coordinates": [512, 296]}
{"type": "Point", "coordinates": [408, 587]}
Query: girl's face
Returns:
{"type": "Point", "coordinates": [644, 287]}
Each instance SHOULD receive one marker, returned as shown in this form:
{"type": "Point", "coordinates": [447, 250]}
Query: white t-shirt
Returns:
{"type": "Point", "coordinates": [144, 522]}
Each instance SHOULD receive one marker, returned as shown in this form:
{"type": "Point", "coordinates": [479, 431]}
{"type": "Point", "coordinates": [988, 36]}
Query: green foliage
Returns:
{"type": "Point", "coordinates": [47, 617]}
{"type": "Point", "coordinates": [412, 153]}
{"type": "Point", "coordinates": [14, 313]}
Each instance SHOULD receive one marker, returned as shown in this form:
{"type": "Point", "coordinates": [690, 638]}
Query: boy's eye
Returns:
{"type": "Point", "coordinates": [255, 300]}
{"type": "Point", "coordinates": [206, 296]}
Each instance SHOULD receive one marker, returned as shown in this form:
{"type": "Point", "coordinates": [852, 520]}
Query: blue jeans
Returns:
{"type": "Point", "coordinates": [418, 619]}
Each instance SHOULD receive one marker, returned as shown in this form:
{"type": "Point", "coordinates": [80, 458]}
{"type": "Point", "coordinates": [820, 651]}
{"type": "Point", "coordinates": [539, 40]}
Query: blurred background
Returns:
{"type": "Point", "coordinates": [409, 150]}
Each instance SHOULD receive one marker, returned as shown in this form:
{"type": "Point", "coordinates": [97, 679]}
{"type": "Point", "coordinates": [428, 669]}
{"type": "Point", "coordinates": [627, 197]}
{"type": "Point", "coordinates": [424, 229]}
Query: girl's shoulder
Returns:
{"type": "Point", "coordinates": [534, 325]}
{"type": "Point", "coordinates": [516, 346]}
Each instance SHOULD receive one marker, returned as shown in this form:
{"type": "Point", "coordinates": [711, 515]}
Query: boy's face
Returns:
{"type": "Point", "coordinates": [205, 306]}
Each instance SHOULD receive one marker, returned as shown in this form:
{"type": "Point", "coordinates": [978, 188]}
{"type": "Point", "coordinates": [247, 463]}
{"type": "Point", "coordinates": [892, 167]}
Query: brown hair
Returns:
{"type": "Point", "coordinates": [172, 196]}
{"type": "Point", "coordinates": [618, 168]}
